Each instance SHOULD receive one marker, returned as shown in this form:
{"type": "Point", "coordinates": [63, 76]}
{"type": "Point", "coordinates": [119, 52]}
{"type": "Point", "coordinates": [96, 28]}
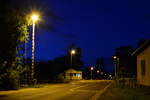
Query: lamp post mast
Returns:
{"type": "Point", "coordinates": [71, 60]}
{"type": "Point", "coordinates": [115, 67]}
{"type": "Point", "coordinates": [91, 72]}
{"type": "Point", "coordinates": [33, 49]}
{"type": "Point", "coordinates": [34, 19]}
{"type": "Point", "coordinates": [71, 54]}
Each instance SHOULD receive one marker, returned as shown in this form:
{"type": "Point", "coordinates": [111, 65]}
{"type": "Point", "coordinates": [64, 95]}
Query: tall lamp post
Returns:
{"type": "Point", "coordinates": [73, 52]}
{"type": "Point", "coordinates": [91, 72]}
{"type": "Point", "coordinates": [115, 63]}
{"type": "Point", "coordinates": [34, 19]}
{"type": "Point", "coordinates": [116, 59]}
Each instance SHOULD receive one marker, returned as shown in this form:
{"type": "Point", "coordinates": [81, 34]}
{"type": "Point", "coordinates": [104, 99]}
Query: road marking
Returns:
{"type": "Point", "coordinates": [78, 87]}
{"type": "Point", "coordinates": [83, 81]}
{"type": "Point", "coordinates": [94, 91]}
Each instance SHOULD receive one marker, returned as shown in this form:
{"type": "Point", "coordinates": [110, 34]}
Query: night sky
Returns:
{"type": "Point", "coordinates": [97, 26]}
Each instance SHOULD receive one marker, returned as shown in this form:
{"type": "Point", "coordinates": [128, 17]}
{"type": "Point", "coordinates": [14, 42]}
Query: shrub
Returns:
{"type": "Point", "coordinates": [9, 81]}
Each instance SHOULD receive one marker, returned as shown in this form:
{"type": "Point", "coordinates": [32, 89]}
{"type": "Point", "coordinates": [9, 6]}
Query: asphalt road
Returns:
{"type": "Point", "coordinates": [80, 90]}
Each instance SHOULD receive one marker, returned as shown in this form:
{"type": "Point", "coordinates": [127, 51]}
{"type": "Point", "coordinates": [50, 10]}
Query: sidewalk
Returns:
{"type": "Point", "coordinates": [99, 93]}
{"type": "Point", "coordinates": [126, 93]}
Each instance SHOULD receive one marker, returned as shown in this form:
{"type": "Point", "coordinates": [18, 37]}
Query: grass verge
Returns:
{"type": "Point", "coordinates": [117, 92]}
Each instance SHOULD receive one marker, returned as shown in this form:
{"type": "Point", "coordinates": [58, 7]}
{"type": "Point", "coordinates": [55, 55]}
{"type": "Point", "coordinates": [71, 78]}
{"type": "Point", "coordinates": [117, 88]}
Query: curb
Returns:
{"type": "Point", "coordinates": [99, 93]}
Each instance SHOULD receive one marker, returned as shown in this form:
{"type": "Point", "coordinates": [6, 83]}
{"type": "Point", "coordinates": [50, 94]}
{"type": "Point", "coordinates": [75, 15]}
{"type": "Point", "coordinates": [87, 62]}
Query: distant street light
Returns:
{"type": "Point", "coordinates": [110, 76]}
{"type": "Point", "coordinates": [102, 73]}
{"type": "Point", "coordinates": [73, 52]}
{"type": "Point", "coordinates": [116, 62]}
{"type": "Point", "coordinates": [115, 57]}
{"type": "Point", "coordinates": [97, 71]}
{"type": "Point", "coordinates": [34, 19]}
{"type": "Point", "coordinates": [92, 68]}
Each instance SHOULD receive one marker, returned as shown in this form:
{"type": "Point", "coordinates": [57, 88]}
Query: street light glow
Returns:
{"type": "Point", "coordinates": [115, 57]}
{"type": "Point", "coordinates": [97, 71]}
{"type": "Point", "coordinates": [73, 51]}
{"type": "Point", "coordinates": [34, 17]}
{"type": "Point", "coordinates": [91, 72]}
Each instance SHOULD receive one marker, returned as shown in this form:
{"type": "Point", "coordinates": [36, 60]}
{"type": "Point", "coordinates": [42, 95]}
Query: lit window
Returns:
{"type": "Point", "coordinates": [78, 75]}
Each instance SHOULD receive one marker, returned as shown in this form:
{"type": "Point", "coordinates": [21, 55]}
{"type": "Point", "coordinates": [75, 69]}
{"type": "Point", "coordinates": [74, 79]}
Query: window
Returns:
{"type": "Point", "coordinates": [78, 75]}
{"type": "Point", "coordinates": [143, 67]}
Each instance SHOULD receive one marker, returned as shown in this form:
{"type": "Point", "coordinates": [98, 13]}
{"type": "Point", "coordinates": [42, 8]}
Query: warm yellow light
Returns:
{"type": "Point", "coordinates": [115, 57]}
{"type": "Point", "coordinates": [97, 71]}
{"type": "Point", "coordinates": [92, 68]}
{"type": "Point", "coordinates": [73, 51]}
{"type": "Point", "coordinates": [34, 17]}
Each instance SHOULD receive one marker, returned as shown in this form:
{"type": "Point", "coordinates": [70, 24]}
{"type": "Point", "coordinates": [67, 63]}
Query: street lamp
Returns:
{"type": "Point", "coordinates": [97, 71]}
{"type": "Point", "coordinates": [116, 59]}
{"type": "Point", "coordinates": [91, 72]}
{"type": "Point", "coordinates": [72, 52]}
{"type": "Point", "coordinates": [34, 18]}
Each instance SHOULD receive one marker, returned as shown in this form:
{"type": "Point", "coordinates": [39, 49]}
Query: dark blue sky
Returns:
{"type": "Point", "coordinates": [97, 26]}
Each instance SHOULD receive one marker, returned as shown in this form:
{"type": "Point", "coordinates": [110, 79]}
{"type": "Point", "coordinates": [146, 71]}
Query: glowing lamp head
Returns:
{"type": "Point", "coordinates": [73, 51]}
{"type": "Point", "coordinates": [92, 68]}
{"type": "Point", "coordinates": [115, 57]}
{"type": "Point", "coordinates": [97, 71]}
{"type": "Point", "coordinates": [34, 17]}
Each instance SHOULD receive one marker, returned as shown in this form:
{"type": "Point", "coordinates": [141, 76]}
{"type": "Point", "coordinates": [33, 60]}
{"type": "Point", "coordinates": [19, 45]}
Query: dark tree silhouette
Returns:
{"type": "Point", "coordinates": [100, 64]}
{"type": "Point", "coordinates": [51, 69]}
{"type": "Point", "coordinates": [14, 23]}
{"type": "Point", "coordinates": [126, 62]}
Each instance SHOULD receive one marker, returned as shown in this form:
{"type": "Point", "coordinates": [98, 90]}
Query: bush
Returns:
{"type": "Point", "coordinates": [126, 82]}
{"type": "Point", "coordinates": [9, 81]}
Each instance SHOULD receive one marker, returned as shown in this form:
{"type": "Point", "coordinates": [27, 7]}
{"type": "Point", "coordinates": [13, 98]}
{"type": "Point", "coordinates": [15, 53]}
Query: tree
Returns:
{"type": "Point", "coordinates": [100, 64]}
{"type": "Point", "coordinates": [14, 24]}
{"type": "Point", "coordinates": [126, 62]}
{"type": "Point", "coordinates": [14, 31]}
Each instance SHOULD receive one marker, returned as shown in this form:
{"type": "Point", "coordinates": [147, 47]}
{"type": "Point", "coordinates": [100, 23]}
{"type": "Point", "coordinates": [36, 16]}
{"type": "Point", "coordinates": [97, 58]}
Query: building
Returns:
{"type": "Point", "coordinates": [143, 63]}
{"type": "Point", "coordinates": [72, 74]}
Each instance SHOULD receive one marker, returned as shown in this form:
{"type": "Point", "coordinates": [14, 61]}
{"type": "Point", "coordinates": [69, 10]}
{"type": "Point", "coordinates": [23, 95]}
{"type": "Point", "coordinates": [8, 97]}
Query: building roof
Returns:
{"type": "Point", "coordinates": [141, 48]}
{"type": "Point", "coordinates": [73, 71]}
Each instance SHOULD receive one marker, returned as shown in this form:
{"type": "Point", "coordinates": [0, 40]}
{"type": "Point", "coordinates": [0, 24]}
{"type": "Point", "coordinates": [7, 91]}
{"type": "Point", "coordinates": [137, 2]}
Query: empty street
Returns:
{"type": "Point", "coordinates": [79, 90]}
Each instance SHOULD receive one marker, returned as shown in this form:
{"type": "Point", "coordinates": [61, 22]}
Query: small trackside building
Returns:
{"type": "Point", "coordinates": [72, 74]}
{"type": "Point", "coordinates": [143, 63]}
